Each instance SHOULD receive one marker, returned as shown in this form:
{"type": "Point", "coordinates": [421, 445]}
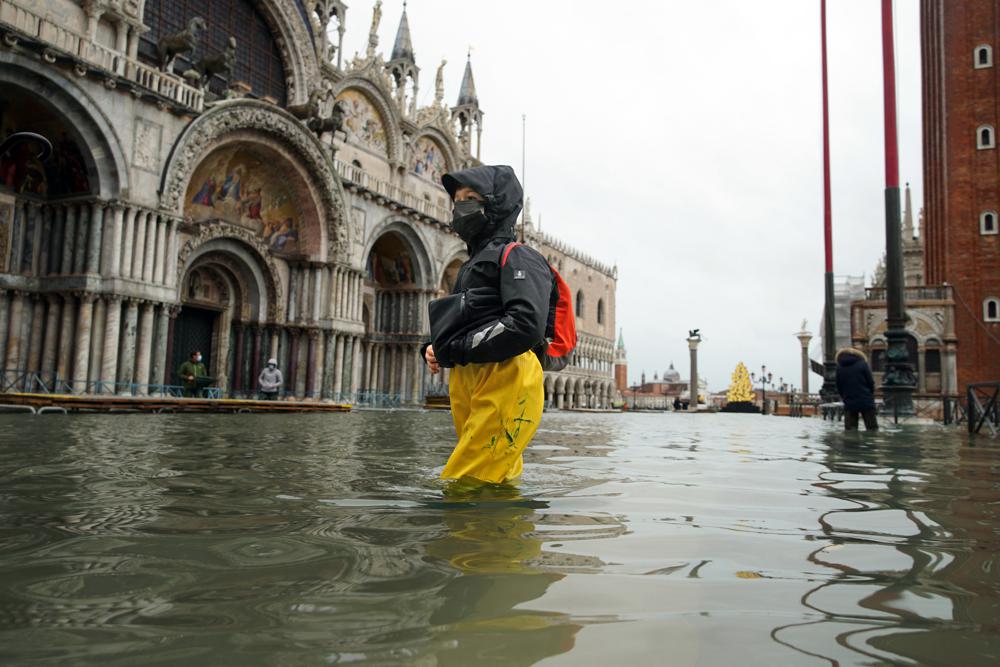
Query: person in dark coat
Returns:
{"type": "Point", "coordinates": [856, 387]}
{"type": "Point", "coordinates": [487, 329]}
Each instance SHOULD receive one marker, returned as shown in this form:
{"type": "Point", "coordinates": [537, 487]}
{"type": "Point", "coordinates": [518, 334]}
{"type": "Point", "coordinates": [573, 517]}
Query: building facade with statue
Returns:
{"type": "Point", "coordinates": [223, 178]}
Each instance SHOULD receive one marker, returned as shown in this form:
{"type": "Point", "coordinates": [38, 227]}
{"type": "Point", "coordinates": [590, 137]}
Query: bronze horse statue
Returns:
{"type": "Point", "coordinates": [170, 46]}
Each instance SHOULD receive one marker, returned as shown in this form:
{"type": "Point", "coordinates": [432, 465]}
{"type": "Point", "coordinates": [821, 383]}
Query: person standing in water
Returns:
{"type": "Point", "coordinates": [856, 387]}
{"type": "Point", "coordinates": [487, 329]}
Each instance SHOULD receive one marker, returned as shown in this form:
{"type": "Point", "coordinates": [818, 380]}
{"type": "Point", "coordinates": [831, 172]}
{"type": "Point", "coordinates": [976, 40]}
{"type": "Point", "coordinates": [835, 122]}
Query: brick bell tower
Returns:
{"type": "Point", "coordinates": [621, 365]}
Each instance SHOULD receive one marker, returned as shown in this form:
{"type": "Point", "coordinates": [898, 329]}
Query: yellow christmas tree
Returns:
{"type": "Point", "coordinates": [739, 389]}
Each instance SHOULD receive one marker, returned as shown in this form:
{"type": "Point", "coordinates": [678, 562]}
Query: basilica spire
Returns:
{"type": "Point", "coordinates": [402, 49]}
{"type": "Point", "coordinates": [467, 94]}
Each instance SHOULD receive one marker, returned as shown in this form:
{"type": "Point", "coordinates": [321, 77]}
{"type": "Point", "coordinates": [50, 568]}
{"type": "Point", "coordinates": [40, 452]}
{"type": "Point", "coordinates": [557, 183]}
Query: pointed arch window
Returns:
{"type": "Point", "coordinates": [985, 137]}
{"type": "Point", "coordinates": [991, 309]}
{"type": "Point", "coordinates": [579, 303]}
{"type": "Point", "coordinates": [600, 311]}
{"type": "Point", "coordinates": [988, 223]}
{"type": "Point", "coordinates": [984, 56]}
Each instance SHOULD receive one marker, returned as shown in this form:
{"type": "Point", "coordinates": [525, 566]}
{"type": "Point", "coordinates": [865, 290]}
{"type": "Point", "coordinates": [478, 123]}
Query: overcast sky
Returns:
{"type": "Point", "coordinates": [682, 141]}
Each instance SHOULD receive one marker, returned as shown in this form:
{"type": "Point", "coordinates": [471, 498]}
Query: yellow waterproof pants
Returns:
{"type": "Point", "coordinates": [496, 408]}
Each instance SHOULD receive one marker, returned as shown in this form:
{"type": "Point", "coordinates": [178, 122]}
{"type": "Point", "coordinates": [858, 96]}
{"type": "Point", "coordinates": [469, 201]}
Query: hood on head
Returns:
{"type": "Point", "coordinates": [272, 361]}
{"type": "Point", "coordinates": [849, 356]}
{"type": "Point", "coordinates": [499, 186]}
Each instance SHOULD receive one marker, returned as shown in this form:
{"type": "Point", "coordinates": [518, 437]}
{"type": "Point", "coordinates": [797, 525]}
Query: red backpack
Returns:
{"type": "Point", "coordinates": [560, 329]}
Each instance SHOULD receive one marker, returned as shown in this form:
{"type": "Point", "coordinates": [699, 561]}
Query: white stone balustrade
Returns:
{"type": "Point", "coordinates": [61, 38]}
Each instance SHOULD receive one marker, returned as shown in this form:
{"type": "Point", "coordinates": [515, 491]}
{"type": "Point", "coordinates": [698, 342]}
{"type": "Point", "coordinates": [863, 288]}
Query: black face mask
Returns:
{"type": "Point", "coordinates": [469, 219]}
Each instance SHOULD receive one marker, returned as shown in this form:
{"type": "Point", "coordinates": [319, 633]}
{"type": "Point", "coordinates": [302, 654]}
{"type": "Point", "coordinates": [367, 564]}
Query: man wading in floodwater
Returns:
{"type": "Point", "coordinates": [487, 328]}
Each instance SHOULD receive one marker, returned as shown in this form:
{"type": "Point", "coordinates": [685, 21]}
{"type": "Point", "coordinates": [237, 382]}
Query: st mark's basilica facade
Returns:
{"type": "Point", "coordinates": [223, 178]}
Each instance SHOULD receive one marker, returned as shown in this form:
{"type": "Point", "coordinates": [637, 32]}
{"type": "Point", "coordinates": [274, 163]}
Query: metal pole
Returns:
{"type": "Point", "coordinates": [829, 389]}
{"type": "Point", "coordinates": [524, 175]}
{"type": "Point", "coordinates": [898, 382]}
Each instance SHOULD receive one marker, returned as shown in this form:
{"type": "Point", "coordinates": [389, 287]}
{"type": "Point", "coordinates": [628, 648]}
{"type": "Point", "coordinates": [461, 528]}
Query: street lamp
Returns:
{"type": "Point", "coordinates": [764, 379]}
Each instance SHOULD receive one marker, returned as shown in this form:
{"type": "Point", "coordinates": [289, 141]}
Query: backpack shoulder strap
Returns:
{"type": "Point", "coordinates": [506, 252]}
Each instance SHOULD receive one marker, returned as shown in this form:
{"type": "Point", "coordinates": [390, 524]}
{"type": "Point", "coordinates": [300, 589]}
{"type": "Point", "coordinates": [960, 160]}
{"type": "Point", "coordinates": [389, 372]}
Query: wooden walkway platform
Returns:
{"type": "Point", "coordinates": [161, 405]}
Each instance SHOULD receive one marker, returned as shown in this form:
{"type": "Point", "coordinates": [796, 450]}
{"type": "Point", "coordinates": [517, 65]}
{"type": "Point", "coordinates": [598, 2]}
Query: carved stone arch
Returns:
{"type": "Point", "coordinates": [560, 384]}
{"type": "Point", "coordinates": [923, 326]}
{"type": "Point", "coordinates": [382, 100]}
{"type": "Point", "coordinates": [246, 246]}
{"type": "Point", "coordinates": [238, 120]}
{"type": "Point", "coordinates": [447, 143]}
{"type": "Point", "coordinates": [105, 160]}
{"type": "Point", "coordinates": [550, 383]}
{"type": "Point", "coordinates": [416, 243]}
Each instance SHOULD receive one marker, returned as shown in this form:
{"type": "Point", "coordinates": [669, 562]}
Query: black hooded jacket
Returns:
{"type": "Point", "coordinates": [855, 383]}
{"type": "Point", "coordinates": [493, 313]}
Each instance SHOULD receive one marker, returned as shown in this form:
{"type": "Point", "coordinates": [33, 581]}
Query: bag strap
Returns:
{"type": "Point", "coordinates": [506, 252]}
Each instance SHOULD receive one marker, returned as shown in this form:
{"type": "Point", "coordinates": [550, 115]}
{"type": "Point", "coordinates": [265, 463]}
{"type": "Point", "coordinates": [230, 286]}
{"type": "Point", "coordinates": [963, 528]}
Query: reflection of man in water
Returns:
{"type": "Point", "coordinates": [491, 543]}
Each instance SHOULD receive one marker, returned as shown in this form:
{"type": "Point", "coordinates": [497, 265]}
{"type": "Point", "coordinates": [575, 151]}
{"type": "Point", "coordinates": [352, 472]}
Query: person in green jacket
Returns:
{"type": "Point", "coordinates": [190, 371]}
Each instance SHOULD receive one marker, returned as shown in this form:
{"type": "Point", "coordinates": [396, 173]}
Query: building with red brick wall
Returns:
{"type": "Point", "coordinates": [961, 80]}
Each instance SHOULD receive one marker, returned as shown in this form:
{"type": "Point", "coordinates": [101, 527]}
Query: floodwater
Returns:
{"type": "Point", "coordinates": [640, 539]}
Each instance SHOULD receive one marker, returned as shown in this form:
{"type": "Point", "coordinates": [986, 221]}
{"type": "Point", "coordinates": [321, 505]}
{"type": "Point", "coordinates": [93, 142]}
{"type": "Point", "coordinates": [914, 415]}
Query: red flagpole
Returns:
{"type": "Point", "coordinates": [889, 84]}
{"type": "Point", "coordinates": [829, 390]}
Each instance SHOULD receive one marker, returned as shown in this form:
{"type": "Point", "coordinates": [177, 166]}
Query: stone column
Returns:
{"type": "Point", "coordinates": [68, 238]}
{"type": "Point", "coordinates": [13, 360]}
{"type": "Point", "coordinates": [317, 292]}
{"type": "Point", "coordinates": [329, 358]}
{"type": "Point", "coordinates": [96, 343]}
{"type": "Point", "coordinates": [144, 347]}
{"type": "Point", "coordinates": [238, 360]}
{"type": "Point", "coordinates": [44, 236]}
{"type": "Point", "coordinates": [159, 361]}
{"type": "Point", "coordinates": [81, 353]}
{"type": "Point", "coordinates": [348, 369]}
{"type": "Point", "coordinates": [94, 241]}
{"type": "Point", "coordinates": [343, 293]}
{"type": "Point", "coordinates": [273, 344]}
{"type": "Point", "coordinates": [331, 297]}
{"type": "Point", "coordinates": [34, 339]}
{"type": "Point", "coordinates": [80, 246]}
{"type": "Point", "coordinates": [804, 338]}
{"type": "Point", "coordinates": [418, 373]}
{"type": "Point", "coordinates": [139, 244]}
{"type": "Point", "coordinates": [293, 287]}
{"type": "Point", "coordinates": [693, 347]}
{"type": "Point", "coordinates": [128, 243]}
{"type": "Point", "coordinates": [149, 253]}
{"type": "Point", "coordinates": [301, 363]}
{"type": "Point", "coordinates": [65, 360]}
{"type": "Point", "coordinates": [113, 265]}
{"type": "Point", "coordinates": [922, 369]}
{"type": "Point", "coordinates": [255, 360]}
{"type": "Point", "coordinates": [338, 367]}
{"type": "Point", "coordinates": [126, 362]}
{"type": "Point", "coordinates": [161, 251]}
{"type": "Point", "coordinates": [170, 313]}
{"type": "Point", "coordinates": [293, 362]}
{"type": "Point", "coordinates": [58, 215]}
{"type": "Point", "coordinates": [112, 330]}
{"type": "Point", "coordinates": [355, 365]}
{"type": "Point", "coordinates": [170, 263]}
{"type": "Point", "coordinates": [311, 357]}
{"type": "Point", "coordinates": [50, 348]}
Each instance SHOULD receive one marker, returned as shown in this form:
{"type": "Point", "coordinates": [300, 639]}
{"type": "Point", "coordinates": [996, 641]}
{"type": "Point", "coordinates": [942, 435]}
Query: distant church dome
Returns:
{"type": "Point", "coordinates": [671, 375]}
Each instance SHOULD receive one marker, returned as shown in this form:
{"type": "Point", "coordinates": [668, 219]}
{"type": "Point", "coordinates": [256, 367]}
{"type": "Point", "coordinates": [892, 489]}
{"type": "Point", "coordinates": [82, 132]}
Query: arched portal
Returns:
{"type": "Point", "coordinates": [397, 270]}
{"type": "Point", "coordinates": [224, 294]}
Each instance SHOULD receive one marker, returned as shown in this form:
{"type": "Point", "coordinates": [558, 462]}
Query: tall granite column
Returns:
{"type": "Point", "coordinates": [149, 253]}
{"type": "Point", "coordinates": [159, 362]}
{"type": "Point", "coordinates": [94, 241]}
{"type": "Point", "coordinates": [83, 221]}
{"type": "Point", "coordinates": [693, 346]}
{"type": "Point", "coordinates": [126, 362]}
{"type": "Point", "coordinates": [355, 365]}
{"type": "Point", "coordinates": [13, 360]}
{"type": "Point", "coordinates": [50, 348]}
{"type": "Point", "coordinates": [81, 353]}
{"type": "Point", "coordinates": [238, 360]}
{"type": "Point", "coordinates": [112, 330]}
{"type": "Point", "coordinates": [144, 347]}
{"type": "Point", "coordinates": [96, 343]}
{"type": "Point", "coordinates": [139, 244]}
{"type": "Point", "coordinates": [161, 251]}
{"type": "Point", "coordinates": [65, 360]}
{"type": "Point", "coordinates": [804, 338]}
{"type": "Point", "coordinates": [338, 368]}
{"type": "Point", "coordinates": [69, 240]}
{"type": "Point", "coordinates": [348, 357]}
{"type": "Point", "coordinates": [128, 242]}
{"type": "Point", "coordinates": [35, 339]}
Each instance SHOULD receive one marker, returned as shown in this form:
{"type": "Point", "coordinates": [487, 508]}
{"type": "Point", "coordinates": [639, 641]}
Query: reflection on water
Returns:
{"type": "Point", "coordinates": [631, 539]}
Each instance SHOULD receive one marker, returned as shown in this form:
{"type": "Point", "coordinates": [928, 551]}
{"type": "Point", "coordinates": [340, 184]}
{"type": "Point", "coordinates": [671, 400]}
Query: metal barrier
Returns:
{"type": "Point", "coordinates": [29, 382]}
{"type": "Point", "coordinates": [983, 408]}
{"type": "Point", "coordinates": [372, 399]}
